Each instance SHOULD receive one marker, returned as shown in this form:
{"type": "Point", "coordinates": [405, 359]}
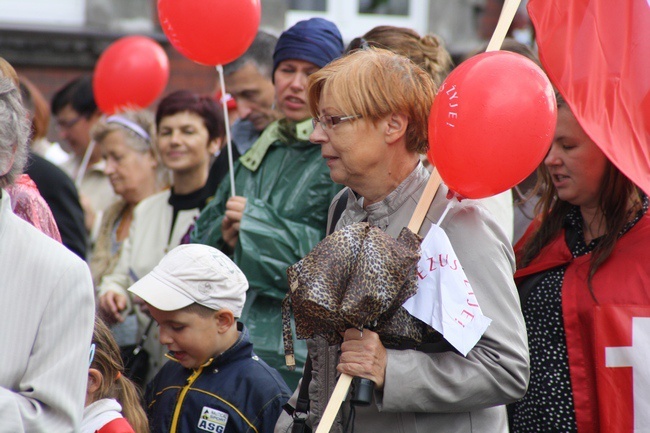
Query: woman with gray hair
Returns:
{"type": "Point", "coordinates": [46, 304]}
{"type": "Point", "coordinates": [14, 134]}
{"type": "Point", "coordinates": [26, 201]}
{"type": "Point", "coordinates": [134, 168]}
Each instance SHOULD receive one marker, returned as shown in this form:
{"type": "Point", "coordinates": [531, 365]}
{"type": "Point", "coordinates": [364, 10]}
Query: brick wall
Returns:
{"type": "Point", "coordinates": [183, 74]}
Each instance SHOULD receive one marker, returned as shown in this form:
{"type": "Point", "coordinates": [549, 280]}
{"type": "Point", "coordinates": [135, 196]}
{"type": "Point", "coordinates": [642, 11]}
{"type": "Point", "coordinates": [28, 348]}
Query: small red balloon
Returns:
{"type": "Point", "coordinates": [210, 32]}
{"type": "Point", "coordinates": [130, 74]}
{"type": "Point", "coordinates": [491, 123]}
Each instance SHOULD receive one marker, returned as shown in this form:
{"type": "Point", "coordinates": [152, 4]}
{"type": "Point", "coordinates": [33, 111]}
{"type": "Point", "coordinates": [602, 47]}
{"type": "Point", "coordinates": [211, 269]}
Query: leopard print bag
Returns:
{"type": "Point", "coordinates": [356, 277]}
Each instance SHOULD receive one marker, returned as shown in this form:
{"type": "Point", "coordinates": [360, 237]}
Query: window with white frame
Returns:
{"type": "Point", "coordinates": [355, 17]}
{"type": "Point", "coordinates": [128, 16]}
{"type": "Point", "coordinates": [308, 5]}
{"type": "Point", "coordinates": [384, 7]}
{"type": "Point", "coordinates": [64, 13]}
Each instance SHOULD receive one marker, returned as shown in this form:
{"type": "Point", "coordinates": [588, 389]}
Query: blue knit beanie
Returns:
{"type": "Point", "coordinates": [315, 40]}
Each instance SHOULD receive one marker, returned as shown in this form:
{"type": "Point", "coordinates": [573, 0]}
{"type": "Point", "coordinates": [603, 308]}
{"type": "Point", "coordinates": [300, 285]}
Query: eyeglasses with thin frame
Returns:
{"type": "Point", "coordinates": [67, 124]}
{"type": "Point", "coordinates": [327, 122]}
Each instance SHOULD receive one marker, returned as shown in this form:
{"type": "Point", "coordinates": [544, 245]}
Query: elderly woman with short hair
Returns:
{"type": "Point", "coordinates": [370, 111]}
{"type": "Point", "coordinates": [135, 170]}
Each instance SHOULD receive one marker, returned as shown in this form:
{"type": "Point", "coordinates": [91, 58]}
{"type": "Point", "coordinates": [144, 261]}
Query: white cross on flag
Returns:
{"type": "Point", "coordinates": [622, 343]}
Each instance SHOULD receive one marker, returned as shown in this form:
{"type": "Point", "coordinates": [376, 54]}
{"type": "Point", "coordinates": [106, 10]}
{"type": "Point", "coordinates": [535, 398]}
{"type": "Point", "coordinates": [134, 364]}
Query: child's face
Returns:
{"type": "Point", "coordinates": [192, 338]}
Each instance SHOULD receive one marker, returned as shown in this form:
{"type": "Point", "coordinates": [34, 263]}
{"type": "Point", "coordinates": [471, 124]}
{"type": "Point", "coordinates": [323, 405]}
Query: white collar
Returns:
{"type": "Point", "coordinates": [100, 413]}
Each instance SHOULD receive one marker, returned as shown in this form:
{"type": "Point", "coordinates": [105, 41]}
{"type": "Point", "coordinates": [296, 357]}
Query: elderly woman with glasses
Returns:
{"type": "Point", "coordinates": [371, 112]}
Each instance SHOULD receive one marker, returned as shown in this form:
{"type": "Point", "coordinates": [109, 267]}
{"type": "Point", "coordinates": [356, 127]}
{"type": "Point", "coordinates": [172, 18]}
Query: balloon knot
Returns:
{"type": "Point", "coordinates": [452, 194]}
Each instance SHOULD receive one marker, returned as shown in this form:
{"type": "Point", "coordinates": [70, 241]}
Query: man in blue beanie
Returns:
{"type": "Point", "coordinates": [283, 192]}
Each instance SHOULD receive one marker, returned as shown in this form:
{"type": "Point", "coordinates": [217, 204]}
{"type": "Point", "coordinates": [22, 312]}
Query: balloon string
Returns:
{"type": "Point", "coordinates": [450, 204]}
{"type": "Point", "coordinates": [224, 104]}
{"type": "Point", "coordinates": [84, 164]}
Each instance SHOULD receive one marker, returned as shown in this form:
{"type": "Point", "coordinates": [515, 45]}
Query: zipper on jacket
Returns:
{"type": "Point", "coordinates": [181, 397]}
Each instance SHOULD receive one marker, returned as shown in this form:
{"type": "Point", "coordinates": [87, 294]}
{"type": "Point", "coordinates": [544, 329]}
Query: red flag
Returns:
{"type": "Point", "coordinates": [597, 53]}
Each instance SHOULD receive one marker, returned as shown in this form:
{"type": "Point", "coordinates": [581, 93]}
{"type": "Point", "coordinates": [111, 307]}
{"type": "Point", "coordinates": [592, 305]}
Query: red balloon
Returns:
{"type": "Point", "coordinates": [131, 73]}
{"type": "Point", "coordinates": [210, 32]}
{"type": "Point", "coordinates": [491, 123]}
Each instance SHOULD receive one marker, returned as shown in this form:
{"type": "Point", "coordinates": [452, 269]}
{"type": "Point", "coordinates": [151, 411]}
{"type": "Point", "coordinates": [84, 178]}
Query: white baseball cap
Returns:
{"type": "Point", "coordinates": [194, 273]}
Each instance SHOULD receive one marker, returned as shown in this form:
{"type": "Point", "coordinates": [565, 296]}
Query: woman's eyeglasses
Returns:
{"type": "Point", "coordinates": [327, 122]}
{"type": "Point", "coordinates": [67, 124]}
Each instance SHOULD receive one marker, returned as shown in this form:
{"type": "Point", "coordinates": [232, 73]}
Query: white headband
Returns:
{"type": "Point", "coordinates": [130, 125]}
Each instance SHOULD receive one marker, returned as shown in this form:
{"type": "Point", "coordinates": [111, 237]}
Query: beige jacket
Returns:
{"type": "Point", "coordinates": [103, 258]}
{"type": "Point", "coordinates": [441, 392]}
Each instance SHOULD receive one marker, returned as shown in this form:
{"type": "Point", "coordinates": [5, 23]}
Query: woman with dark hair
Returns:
{"type": "Point", "coordinates": [190, 130]}
{"type": "Point", "coordinates": [585, 252]}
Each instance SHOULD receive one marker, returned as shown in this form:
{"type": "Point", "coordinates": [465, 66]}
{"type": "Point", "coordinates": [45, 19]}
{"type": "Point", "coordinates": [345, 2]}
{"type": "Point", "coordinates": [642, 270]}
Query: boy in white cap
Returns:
{"type": "Point", "coordinates": [217, 383]}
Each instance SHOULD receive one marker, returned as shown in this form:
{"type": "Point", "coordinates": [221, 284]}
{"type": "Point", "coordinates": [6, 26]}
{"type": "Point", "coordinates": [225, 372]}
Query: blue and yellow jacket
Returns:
{"type": "Point", "coordinates": [235, 392]}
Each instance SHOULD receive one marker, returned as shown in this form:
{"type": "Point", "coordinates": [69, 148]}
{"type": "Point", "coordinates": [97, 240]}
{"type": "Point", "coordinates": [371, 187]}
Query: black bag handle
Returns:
{"type": "Point", "coordinates": [138, 347]}
{"type": "Point", "coordinates": [338, 210]}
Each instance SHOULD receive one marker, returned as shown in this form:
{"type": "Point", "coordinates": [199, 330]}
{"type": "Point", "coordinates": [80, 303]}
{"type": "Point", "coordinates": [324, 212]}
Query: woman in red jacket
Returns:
{"type": "Point", "coordinates": [582, 261]}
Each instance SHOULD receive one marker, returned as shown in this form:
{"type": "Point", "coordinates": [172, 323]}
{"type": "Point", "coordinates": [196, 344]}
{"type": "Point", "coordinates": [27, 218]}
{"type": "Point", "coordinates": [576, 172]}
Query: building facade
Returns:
{"type": "Point", "coordinates": [51, 42]}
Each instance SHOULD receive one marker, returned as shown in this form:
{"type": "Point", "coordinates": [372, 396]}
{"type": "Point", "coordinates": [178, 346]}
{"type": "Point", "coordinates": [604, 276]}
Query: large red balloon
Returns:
{"type": "Point", "coordinates": [491, 123]}
{"type": "Point", "coordinates": [131, 73]}
{"type": "Point", "coordinates": [210, 32]}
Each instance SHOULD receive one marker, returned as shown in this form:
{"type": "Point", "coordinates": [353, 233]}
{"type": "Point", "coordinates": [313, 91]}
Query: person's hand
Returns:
{"type": "Point", "coordinates": [232, 220]}
{"type": "Point", "coordinates": [363, 355]}
{"type": "Point", "coordinates": [111, 305]}
{"type": "Point", "coordinates": [138, 302]}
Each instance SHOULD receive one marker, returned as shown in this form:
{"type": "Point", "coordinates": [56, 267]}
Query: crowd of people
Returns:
{"type": "Point", "coordinates": [131, 233]}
